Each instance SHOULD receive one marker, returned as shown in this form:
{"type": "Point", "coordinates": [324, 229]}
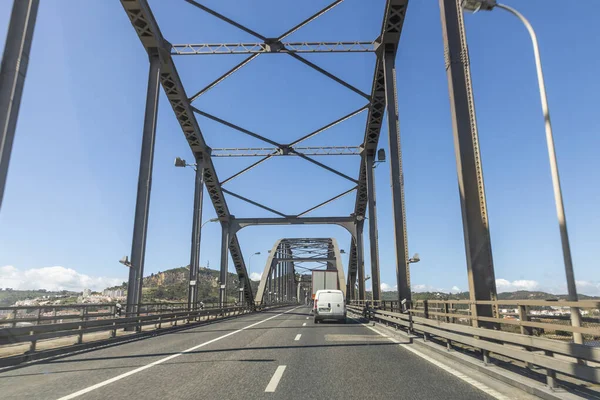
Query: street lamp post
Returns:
{"type": "Point", "coordinates": [197, 226]}
{"type": "Point", "coordinates": [474, 6]}
{"type": "Point", "coordinates": [250, 260]}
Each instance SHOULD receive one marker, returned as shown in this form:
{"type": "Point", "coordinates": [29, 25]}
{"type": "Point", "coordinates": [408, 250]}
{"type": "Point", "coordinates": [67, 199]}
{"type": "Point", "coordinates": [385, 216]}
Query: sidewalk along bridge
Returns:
{"type": "Point", "coordinates": [452, 349]}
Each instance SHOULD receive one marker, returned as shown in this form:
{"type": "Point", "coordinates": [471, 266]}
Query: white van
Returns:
{"type": "Point", "coordinates": [329, 304]}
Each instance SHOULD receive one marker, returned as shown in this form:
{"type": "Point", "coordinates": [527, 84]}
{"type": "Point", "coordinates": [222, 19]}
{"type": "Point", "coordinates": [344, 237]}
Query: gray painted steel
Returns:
{"type": "Point", "coordinates": [196, 236]}
{"type": "Point", "coordinates": [146, 27]}
{"type": "Point", "coordinates": [142, 206]}
{"type": "Point", "coordinates": [224, 264]}
{"type": "Point", "coordinates": [397, 178]}
{"type": "Point", "coordinates": [391, 29]}
{"type": "Point", "coordinates": [15, 61]}
{"type": "Point", "coordinates": [284, 259]}
{"type": "Point", "coordinates": [478, 247]}
{"type": "Point", "coordinates": [360, 256]}
{"type": "Point", "coordinates": [373, 232]}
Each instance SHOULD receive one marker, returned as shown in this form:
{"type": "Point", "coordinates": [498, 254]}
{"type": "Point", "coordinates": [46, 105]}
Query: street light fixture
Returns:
{"type": "Point", "coordinates": [125, 261]}
{"type": "Point", "coordinates": [560, 208]}
{"type": "Point", "coordinates": [380, 158]}
{"type": "Point", "coordinates": [476, 5]}
{"type": "Point", "coordinates": [414, 259]}
{"type": "Point", "coordinates": [210, 220]}
{"type": "Point", "coordinates": [180, 162]}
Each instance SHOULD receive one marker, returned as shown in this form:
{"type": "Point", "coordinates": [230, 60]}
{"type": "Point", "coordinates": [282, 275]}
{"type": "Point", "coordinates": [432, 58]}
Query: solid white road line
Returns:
{"type": "Point", "coordinates": [297, 337]}
{"type": "Point", "coordinates": [304, 324]}
{"type": "Point", "coordinates": [162, 360]}
{"type": "Point", "coordinates": [275, 379]}
{"type": "Point", "coordinates": [484, 388]}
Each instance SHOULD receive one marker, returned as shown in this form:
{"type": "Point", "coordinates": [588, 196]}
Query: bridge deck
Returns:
{"type": "Point", "coordinates": [237, 359]}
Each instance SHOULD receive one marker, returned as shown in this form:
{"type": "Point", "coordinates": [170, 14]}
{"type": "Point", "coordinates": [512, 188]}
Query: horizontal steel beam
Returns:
{"type": "Point", "coordinates": [293, 221]}
{"type": "Point", "coordinates": [273, 151]}
{"type": "Point", "coordinates": [272, 47]}
{"type": "Point", "coordinates": [304, 259]}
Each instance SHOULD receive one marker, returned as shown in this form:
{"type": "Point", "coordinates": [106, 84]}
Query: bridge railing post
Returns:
{"type": "Point", "coordinates": [82, 318]}
{"type": "Point", "coordinates": [426, 316]}
{"type": "Point", "coordinates": [525, 330]}
{"type": "Point", "coordinates": [550, 374]}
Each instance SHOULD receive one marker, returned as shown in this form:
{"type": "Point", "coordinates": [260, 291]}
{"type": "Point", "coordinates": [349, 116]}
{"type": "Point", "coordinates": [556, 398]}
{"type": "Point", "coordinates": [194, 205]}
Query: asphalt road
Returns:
{"type": "Point", "coordinates": [241, 359]}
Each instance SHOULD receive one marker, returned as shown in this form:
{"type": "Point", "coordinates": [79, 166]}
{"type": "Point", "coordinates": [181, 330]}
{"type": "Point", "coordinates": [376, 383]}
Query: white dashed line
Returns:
{"type": "Point", "coordinates": [275, 379]}
{"type": "Point", "coordinates": [162, 360]}
{"type": "Point", "coordinates": [307, 317]}
{"type": "Point", "coordinates": [304, 324]}
{"type": "Point", "coordinates": [484, 388]}
{"type": "Point", "coordinates": [297, 337]}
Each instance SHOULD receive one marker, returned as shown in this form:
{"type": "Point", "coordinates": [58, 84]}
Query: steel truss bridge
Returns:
{"type": "Point", "coordinates": [484, 330]}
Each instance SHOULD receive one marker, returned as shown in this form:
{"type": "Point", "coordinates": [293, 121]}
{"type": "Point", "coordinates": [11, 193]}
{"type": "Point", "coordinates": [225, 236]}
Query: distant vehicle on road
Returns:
{"type": "Point", "coordinates": [324, 280]}
{"type": "Point", "coordinates": [329, 304]}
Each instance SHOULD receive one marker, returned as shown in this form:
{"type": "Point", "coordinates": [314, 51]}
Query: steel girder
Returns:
{"type": "Point", "coordinates": [296, 250]}
{"type": "Point", "coordinates": [272, 47]}
{"type": "Point", "coordinates": [149, 33]}
{"type": "Point", "coordinates": [391, 30]}
{"type": "Point", "coordinates": [146, 27]}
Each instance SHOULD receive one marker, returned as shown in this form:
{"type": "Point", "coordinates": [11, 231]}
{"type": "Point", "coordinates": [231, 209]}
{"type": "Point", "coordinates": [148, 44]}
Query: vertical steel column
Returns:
{"type": "Point", "coordinates": [360, 259]}
{"type": "Point", "coordinates": [279, 280]}
{"type": "Point", "coordinates": [397, 178]}
{"type": "Point", "coordinates": [269, 284]}
{"type": "Point", "coordinates": [478, 247]}
{"type": "Point", "coordinates": [196, 236]}
{"type": "Point", "coordinates": [286, 281]}
{"type": "Point", "coordinates": [224, 263]}
{"type": "Point", "coordinates": [12, 77]}
{"type": "Point", "coordinates": [142, 206]}
{"type": "Point", "coordinates": [373, 233]}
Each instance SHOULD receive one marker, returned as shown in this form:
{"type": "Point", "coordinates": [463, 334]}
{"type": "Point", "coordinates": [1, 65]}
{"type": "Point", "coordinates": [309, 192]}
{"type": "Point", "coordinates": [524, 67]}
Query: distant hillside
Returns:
{"type": "Point", "coordinates": [172, 285]}
{"type": "Point", "coordinates": [518, 295]}
{"type": "Point", "coordinates": [8, 297]}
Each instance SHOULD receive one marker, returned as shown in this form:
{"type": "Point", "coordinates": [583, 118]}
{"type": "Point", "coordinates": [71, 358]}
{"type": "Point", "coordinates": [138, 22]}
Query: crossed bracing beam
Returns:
{"type": "Point", "coordinates": [274, 45]}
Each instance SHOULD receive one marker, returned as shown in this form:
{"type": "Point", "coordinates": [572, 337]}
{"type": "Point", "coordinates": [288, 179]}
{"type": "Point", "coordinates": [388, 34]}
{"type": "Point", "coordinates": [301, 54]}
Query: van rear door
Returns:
{"type": "Point", "coordinates": [331, 304]}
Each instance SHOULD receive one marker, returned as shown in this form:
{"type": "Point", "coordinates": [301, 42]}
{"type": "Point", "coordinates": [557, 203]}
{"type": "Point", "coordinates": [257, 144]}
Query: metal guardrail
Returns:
{"type": "Point", "coordinates": [577, 360]}
{"type": "Point", "coordinates": [101, 321]}
{"type": "Point", "coordinates": [45, 314]}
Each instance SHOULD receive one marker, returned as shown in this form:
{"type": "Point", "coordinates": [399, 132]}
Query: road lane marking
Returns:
{"type": "Point", "coordinates": [162, 360]}
{"type": "Point", "coordinates": [304, 324]}
{"type": "Point", "coordinates": [307, 317]}
{"type": "Point", "coordinates": [298, 336]}
{"type": "Point", "coordinates": [275, 379]}
{"type": "Point", "coordinates": [484, 388]}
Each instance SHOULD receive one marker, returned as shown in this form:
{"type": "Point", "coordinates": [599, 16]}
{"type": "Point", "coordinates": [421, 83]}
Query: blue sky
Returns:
{"type": "Point", "coordinates": [71, 189]}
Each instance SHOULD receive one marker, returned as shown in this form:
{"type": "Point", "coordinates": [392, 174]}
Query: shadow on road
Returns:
{"type": "Point", "coordinates": [138, 356]}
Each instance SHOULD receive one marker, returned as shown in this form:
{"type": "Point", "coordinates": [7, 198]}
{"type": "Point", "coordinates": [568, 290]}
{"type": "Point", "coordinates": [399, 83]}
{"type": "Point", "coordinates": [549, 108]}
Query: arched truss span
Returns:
{"type": "Point", "coordinates": [289, 267]}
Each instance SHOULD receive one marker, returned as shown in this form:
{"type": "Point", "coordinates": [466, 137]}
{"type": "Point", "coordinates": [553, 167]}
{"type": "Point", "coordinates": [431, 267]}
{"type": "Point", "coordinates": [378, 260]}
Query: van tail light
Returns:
{"type": "Point", "coordinates": [316, 303]}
